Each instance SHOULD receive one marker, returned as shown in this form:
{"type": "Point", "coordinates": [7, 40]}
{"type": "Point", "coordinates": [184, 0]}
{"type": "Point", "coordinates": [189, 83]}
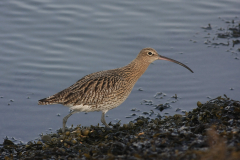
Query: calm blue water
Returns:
{"type": "Point", "coordinates": [47, 46]}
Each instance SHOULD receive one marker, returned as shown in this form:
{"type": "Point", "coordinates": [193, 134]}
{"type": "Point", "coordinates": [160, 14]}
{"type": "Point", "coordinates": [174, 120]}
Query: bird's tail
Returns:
{"type": "Point", "coordinates": [49, 100]}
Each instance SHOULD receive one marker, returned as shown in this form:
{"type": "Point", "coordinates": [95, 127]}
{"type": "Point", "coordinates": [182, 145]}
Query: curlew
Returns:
{"type": "Point", "coordinates": [105, 90]}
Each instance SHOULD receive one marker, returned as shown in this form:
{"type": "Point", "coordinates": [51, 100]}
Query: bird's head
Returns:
{"type": "Point", "coordinates": [149, 55]}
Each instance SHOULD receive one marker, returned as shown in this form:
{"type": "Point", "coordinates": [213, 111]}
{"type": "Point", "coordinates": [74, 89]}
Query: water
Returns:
{"type": "Point", "coordinates": [47, 46]}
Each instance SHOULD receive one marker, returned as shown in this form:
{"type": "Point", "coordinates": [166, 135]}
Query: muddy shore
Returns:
{"type": "Point", "coordinates": [210, 131]}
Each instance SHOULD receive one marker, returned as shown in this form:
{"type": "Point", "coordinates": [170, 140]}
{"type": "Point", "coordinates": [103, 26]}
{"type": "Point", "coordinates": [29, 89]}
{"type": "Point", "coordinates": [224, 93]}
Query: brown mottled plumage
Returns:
{"type": "Point", "coordinates": [105, 90]}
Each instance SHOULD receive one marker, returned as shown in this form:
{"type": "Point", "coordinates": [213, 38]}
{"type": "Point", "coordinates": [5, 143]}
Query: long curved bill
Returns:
{"type": "Point", "coordinates": [172, 60]}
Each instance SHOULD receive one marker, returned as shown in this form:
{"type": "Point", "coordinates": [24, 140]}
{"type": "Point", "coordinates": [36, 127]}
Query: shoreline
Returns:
{"type": "Point", "coordinates": [210, 131]}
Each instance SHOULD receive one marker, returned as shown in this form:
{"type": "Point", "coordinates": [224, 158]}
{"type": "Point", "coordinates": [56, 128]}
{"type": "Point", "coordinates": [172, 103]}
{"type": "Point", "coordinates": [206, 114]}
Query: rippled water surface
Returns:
{"type": "Point", "coordinates": [47, 46]}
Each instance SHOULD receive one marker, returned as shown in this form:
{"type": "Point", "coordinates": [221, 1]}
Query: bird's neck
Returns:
{"type": "Point", "coordinates": [135, 69]}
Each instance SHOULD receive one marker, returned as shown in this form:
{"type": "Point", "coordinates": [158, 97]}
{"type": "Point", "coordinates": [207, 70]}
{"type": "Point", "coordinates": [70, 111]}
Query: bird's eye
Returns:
{"type": "Point", "coordinates": [150, 53]}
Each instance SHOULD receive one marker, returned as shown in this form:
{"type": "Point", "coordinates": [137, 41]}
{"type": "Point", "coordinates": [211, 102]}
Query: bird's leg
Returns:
{"type": "Point", "coordinates": [65, 120]}
{"type": "Point", "coordinates": [103, 119]}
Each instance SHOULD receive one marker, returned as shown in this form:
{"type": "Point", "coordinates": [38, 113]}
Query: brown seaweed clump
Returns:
{"type": "Point", "coordinates": [232, 31]}
{"type": "Point", "coordinates": [211, 131]}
